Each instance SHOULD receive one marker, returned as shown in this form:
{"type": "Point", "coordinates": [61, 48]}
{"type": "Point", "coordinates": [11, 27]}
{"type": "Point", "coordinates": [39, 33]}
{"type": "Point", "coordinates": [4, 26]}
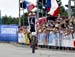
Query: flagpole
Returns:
{"type": "Point", "coordinates": [45, 9]}
{"type": "Point", "coordinates": [23, 12]}
{"type": "Point", "coordinates": [37, 11]}
{"type": "Point", "coordinates": [42, 8]}
{"type": "Point", "coordinates": [69, 10]}
{"type": "Point", "coordinates": [74, 5]}
{"type": "Point", "coordinates": [0, 18]}
{"type": "Point", "coordinates": [19, 15]}
{"type": "Point", "coordinates": [23, 17]}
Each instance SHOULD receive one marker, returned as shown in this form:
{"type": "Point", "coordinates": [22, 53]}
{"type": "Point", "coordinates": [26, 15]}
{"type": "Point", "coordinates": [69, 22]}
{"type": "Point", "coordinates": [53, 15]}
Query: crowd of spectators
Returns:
{"type": "Point", "coordinates": [53, 29]}
{"type": "Point", "coordinates": [58, 30]}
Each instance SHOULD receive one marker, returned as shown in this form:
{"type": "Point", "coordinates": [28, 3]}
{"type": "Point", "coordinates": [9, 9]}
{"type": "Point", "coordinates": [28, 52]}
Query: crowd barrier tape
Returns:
{"type": "Point", "coordinates": [9, 33]}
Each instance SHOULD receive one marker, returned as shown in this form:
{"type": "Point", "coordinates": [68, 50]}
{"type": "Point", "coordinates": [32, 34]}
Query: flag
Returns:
{"type": "Point", "coordinates": [23, 5]}
{"type": "Point", "coordinates": [31, 4]}
{"type": "Point", "coordinates": [42, 20]}
{"type": "Point", "coordinates": [52, 7]}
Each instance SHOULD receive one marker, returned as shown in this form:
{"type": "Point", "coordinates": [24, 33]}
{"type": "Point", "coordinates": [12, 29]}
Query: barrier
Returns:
{"type": "Point", "coordinates": [23, 38]}
{"type": "Point", "coordinates": [50, 38]}
{"type": "Point", "coordinates": [41, 37]}
{"type": "Point", "coordinates": [8, 33]}
{"type": "Point", "coordinates": [53, 40]}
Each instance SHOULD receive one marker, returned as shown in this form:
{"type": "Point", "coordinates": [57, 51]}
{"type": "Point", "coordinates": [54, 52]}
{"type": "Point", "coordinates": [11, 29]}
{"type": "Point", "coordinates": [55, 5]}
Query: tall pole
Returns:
{"type": "Point", "coordinates": [37, 10]}
{"type": "Point", "coordinates": [46, 10]}
{"type": "Point", "coordinates": [69, 10]}
{"type": "Point", "coordinates": [23, 18]}
{"type": "Point", "coordinates": [0, 17]}
{"type": "Point", "coordinates": [42, 8]}
{"type": "Point", "coordinates": [23, 12]}
{"type": "Point", "coordinates": [19, 15]}
{"type": "Point", "coordinates": [74, 5]}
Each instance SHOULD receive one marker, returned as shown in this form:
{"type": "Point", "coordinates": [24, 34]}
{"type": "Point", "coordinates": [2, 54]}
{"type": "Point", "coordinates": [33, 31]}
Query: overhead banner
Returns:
{"type": "Point", "coordinates": [9, 33]}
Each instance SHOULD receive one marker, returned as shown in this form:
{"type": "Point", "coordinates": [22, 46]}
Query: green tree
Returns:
{"type": "Point", "coordinates": [24, 19]}
{"type": "Point", "coordinates": [13, 20]}
{"type": "Point", "coordinates": [4, 19]}
{"type": "Point", "coordinates": [63, 12]}
{"type": "Point", "coordinates": [9, 20]}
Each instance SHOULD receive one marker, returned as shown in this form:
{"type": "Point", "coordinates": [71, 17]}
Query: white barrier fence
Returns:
{"type": "Point", "coordinates": [51, 40]}
{"type": "Point", "coordinates": [64, 41]}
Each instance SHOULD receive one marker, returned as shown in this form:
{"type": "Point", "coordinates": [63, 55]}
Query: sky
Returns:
{"type": "Point", "coordinates": [10, 7]}
{"type": "Point", "coordinates": [64, 2]}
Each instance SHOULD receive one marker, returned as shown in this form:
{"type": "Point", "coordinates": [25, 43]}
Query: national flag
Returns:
{"type": "Point", "coordinates": [52, 7]}
{"type": "Point", "coordinates": [22, 4]}
{"type": "Point", "coordinates": [42, 20]}
{"type": "Point", "coordinates": [31, 4]}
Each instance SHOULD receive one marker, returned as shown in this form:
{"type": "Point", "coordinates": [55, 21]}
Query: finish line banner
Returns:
{"type": "Point", "coordinates": [9, 33]}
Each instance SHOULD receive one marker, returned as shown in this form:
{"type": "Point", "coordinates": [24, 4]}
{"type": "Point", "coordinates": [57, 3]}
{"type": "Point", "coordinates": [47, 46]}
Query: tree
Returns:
{"type": "Point", "coordinates": [9, 20]}
{"type": "Point", "coordinates": [24, 19]}
{"type": "Point", "coordinates": [63, 12]}
{"type": "Point", "coordinates": [12, 20]}
{"type": "Point", "coordinates": [4, 19]}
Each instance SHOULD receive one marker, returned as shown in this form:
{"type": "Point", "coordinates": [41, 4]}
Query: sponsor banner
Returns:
{"type": "Point", "coordinates": [9, 33]}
